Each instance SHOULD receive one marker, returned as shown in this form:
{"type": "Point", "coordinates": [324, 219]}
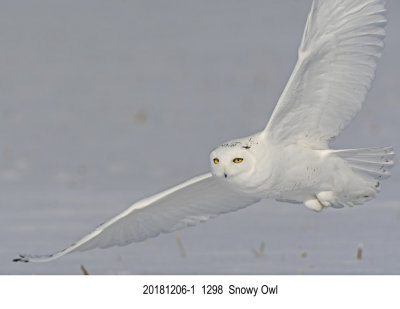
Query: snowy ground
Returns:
{"type": "Point", "coordinates": [103, 103]}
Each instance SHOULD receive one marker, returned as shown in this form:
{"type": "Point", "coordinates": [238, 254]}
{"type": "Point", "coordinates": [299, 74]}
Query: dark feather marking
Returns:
{"type": "Point", "coordinates": [232, 144]}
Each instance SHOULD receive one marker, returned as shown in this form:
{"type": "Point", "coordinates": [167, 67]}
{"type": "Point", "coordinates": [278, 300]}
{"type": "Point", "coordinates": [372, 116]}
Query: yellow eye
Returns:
{"type": "Point", "coordinates": [216, 160]}
{"type": "Point", "coordinates": [237, 160]}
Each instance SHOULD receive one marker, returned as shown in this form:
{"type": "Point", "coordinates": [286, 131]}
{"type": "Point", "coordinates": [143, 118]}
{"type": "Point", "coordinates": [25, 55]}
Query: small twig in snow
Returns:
{"type": "Point", "coordinates": [359, 251]}
{"type": "Point", "coordinates": [85, 272]}
{"type": "Point", "coordinates": [180, 245]}
{"type": "Point", "coordinates": [260, 252]}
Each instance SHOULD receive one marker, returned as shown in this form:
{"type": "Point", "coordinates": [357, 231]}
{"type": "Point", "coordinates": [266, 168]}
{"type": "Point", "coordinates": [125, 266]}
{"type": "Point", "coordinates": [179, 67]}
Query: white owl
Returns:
{"type": "Point", "coordinates": [290, 159]}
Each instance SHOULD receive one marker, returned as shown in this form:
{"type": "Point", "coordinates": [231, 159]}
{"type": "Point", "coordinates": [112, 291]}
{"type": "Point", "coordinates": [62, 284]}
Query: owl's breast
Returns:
{"type": "Point", "coordinates": [285, 173]}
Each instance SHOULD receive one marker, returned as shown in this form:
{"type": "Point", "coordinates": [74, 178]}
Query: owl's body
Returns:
{"type": "Point", "coordinates": [290, 159]}
{"type": "Point", "coordinates": [299, 174]}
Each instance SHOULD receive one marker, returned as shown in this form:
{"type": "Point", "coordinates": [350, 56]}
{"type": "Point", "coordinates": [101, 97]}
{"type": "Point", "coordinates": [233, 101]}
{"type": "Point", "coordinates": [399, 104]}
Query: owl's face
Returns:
{"type": "Point", "coordinates": [232, 162]}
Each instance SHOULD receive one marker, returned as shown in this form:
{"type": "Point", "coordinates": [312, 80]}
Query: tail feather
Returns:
{"type": "Point", "coordinates": [371, 163]}
{"type": "Point", "coordinates": [374, 172]}
{"type": "Point", "coordinates": [367, 152]}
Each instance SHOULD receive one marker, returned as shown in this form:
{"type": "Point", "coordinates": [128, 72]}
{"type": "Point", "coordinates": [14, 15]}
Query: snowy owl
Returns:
{"type": "Point", "coordinates": [289, 160]}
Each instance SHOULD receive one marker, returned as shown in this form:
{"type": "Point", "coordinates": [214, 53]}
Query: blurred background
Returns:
{"type": "Point", "coordinates": [106, 102]}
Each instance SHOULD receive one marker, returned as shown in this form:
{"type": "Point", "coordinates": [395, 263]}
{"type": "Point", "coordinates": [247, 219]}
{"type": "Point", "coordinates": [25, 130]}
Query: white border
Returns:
{"type": "Point", "coordinates": [127, 292]}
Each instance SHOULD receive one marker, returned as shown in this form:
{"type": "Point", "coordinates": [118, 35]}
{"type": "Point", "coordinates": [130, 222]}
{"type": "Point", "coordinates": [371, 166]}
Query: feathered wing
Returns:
{"type": "Point", "coordinates": [187, 204]}
{"type": "Point", "coordinates": [337, 57]}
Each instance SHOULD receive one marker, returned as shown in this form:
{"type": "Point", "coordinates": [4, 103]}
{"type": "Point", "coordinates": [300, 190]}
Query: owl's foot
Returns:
{"type": "Point", "coordinates": [314, 204]}
{"type": "Point", "coordinates": [329, 199]}
{"type": "Point", "coordinates": [323, 199]}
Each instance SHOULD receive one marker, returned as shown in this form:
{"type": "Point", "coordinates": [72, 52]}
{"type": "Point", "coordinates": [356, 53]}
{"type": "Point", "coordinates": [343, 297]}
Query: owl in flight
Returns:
{"type": "Point", "coordinates": [290, 159]}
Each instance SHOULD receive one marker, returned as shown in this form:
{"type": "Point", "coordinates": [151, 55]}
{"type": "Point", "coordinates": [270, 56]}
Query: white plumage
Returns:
{"type": "Point", "coordinates": [336, 64]}
{"type": "Point", "coordinates": [289, 160]}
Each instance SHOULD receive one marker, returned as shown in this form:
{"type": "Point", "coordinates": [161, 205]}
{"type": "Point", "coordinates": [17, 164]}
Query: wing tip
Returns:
{"type": "Point", "coordinates": [25, 258]}
{"type": "Point", "coordinates": [21, 258]}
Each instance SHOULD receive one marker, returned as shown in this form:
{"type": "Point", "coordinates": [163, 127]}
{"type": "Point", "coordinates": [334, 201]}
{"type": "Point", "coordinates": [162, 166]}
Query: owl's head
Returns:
{"type": "Point", "coordinates": [233, 161]}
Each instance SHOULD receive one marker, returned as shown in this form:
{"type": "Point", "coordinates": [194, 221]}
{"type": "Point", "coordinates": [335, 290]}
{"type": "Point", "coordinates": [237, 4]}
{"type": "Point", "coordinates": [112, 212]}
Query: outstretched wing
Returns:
{"type": "Point", "coordinates": [187, 204]}
{"type": "Point", "coordinates": [337, 57]}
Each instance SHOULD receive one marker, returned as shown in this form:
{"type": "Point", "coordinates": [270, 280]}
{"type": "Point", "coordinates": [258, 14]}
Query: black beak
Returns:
{"type": "Point", "coordinates": [225, 175]}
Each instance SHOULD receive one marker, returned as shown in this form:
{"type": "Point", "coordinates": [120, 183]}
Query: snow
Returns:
{"type": "Point", "coordinates": [101, 102]}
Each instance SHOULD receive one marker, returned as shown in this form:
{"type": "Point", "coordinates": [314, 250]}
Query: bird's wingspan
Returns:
{"type": "Point", "coordinates": [337, 57]}
{"type": "Point", "coordinates": [187, 204]}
